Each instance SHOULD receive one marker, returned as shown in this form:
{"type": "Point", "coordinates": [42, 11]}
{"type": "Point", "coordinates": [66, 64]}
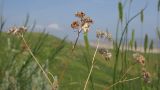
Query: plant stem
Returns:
{"type": "Point", "coordinates": [79, 31]}
{"type": "Point", "coordinates": [122, 81]}
{"type": "Point", "coordinates": [127, 72]}
{"type": "Point", "coordinates": [85, 86]}
{"type": "Point", "coordinates": [40, 66]}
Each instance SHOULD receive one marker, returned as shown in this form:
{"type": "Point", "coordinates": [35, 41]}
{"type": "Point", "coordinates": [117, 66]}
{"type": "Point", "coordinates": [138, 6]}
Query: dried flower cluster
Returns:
{"type": "Point", "coordinates": [17, 30]}
{"type": "Point", "coordinates": [83, 23]}
{"type": "Point", "coordinates": [105, 53]}
{"type": "Point", "coordinates": [102, 34]}
{"type": "Point", "coordinates": [146, 76]}
{"type": "Point", "coordinates": [139, 58]}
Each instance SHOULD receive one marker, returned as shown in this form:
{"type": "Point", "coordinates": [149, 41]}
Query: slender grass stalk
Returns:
{"type": "Point", "coordinates": [79, 31]}
{"type": "Point", "coordinates": [85, 35]}
{"type": "Point", "coordinates": [90, 72]}
{"type": "Point", "coordinates": [40, 66]}
{"type": "Point", "coordinates": [120, 42]}
{"type": "Point", "coordinates": [126, 72]}
{"type": "Point", "coordinates": [122, 81]}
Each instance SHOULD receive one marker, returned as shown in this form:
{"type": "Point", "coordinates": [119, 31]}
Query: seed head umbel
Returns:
{"type": "Point", "coordinates": [146, 76]}
{"type": "Point", "coordinates": [80, 14]}
{"type": "Point", "coordinates": [105, 53]}
{"type": "Point", "coordinates": [17, 30]}
{"type": "Point", "coordinates": [75, 25]}
{"type": "Point", "coordinates": [139, 58]}
{"type": "Point", "coordinates": [85, 27]}
{"type": "Point", "coordinates": [105, 35]}
{"type": "Point", "coordinates": [83, 23]}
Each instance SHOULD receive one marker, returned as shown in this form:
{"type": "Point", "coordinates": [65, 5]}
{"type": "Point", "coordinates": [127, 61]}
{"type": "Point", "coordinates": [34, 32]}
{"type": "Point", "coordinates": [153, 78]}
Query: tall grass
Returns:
{"type": "Point", "coordinates": [78, 67]}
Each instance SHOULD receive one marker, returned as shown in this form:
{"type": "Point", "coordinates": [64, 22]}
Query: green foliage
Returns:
{"type": "Point", "coordinates": [18, 71]}
{"type": "Point", "coordinates": [158, 33]}
{"type": "Point", "coordinates": [2, 23]}
{"type": "Point", "coordinates": [85, 34]}
{"type": "Point", "coordinates": [135, 45]}
{"type": "Point", "coordinates": [151, 45]}
{"type": "Point", "coordinates": [120, 10]}
{"type": "Point", "coordinates": [145, 43]}
{"type": "Point", "coordinates": [142, 16]}
{"type": "Point", "coordinates": [158, 6]}
{"type": "Point", "coordinates": [132, 39]}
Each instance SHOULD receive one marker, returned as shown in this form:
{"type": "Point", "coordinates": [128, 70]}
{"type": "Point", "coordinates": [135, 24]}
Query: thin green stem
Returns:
{"type": "Point", "coordinates": [90, 72]}
{"type": "Point", "coordinates": [122, 81]}
{"type": "Point", "coordinates": [127, 72]}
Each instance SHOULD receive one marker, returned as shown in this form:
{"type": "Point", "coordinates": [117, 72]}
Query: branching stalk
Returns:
{"type": "Point", "coordinates": [122, 81]}
{"type": "Point", "coordinates": [90, 72]}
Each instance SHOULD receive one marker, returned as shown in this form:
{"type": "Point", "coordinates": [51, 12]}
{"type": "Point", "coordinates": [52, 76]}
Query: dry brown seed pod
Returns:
{"type": "Point", "coordinates": [75, 25]}
{"type": "Point", "coordinates": [80, 14]}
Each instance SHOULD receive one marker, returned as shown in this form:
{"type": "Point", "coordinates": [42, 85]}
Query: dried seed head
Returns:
{"type": "Point", "coordinates": [102, 34]}
{"type": "Point", "coordinates": [85, 27]}
{"type": "Point", "coordinates": [108, 35]}
{"type": "Point", "coordinates": [146, 76]}
{"type": "Point", "coordinates": [75, 25]}
{"type": "Point", "coordinates": [17, 30]}
{"type": "Point", "coordinates": [99, 34]}
{"type": "Point", "coordinates": [80, 14]}
{"type": "Point", "coordinates": [108, 56]}
{"type": "Point", "coordinates": [13, 30]}
{"type": "Point", "coordinates": [105, 53]}
{"type": "Point", "coordinates": [102, 50]}
{"type": "Point", "coordinates": [83, 23]}
{"type": "Point", "coordinates": [139, 58]}
{"type": "Point", "coordinates": [87, 20]}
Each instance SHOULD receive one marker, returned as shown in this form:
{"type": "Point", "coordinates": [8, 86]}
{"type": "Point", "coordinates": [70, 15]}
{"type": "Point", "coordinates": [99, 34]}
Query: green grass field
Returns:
{"type": "Point", "coordinates": [18, 70]}
{"type": "Point", "coordinates": [32, 60]}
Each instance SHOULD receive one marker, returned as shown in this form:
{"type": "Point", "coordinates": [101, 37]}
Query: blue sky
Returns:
{"type": "Point", "coordinates": [57, 15]}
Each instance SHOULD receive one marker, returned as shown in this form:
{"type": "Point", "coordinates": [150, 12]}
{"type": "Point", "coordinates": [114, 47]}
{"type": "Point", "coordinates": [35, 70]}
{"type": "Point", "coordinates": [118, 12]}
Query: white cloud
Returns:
{"type": "Point", "coordinates": [53, 26]}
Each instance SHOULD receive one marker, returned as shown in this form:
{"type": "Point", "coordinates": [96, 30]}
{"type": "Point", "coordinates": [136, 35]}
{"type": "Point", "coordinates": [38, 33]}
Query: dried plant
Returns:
{"type": "Point", "coordinates": [82, 24]}
{"type": "Point", "coordinates": [107, 55]}
{"type": "Point", "coordinates": [139, 58]}
{"type": "Point", "coordinates": [19, 31]}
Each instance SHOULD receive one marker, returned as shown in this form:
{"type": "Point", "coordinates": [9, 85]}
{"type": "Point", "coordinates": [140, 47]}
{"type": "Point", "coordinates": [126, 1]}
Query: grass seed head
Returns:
{"type": "Point", "coordinates": [17, 30]}
{"type": "Point", "coordinates": [105, 35]}
{"type": "Point", "coordinates": [146, 76]}
{"type": "Point", "coordinates": [80, 14]}
{"type": "Point", "coordinates": [139, 58]}
{"type": "Point", "coordinates": [75, 25]}
{"type": "Point", "coordinates": [105, 53]}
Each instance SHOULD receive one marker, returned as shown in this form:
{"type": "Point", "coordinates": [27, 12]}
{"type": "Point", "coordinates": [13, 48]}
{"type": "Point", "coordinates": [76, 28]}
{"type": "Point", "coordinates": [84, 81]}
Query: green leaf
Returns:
{"type": "Point", "coordinates": [120, 9]}
{"type": "Point", "coordinates": [151, 45]}
{"type": "Point", "coordinates": [158, 6]}
{"type": "Point", "coordinates": [132, 39]}
{"type": "Point", "coordinates": [135, 45]}
{"type": "Point", "coordinates": [145, 43]}
{"type": "Point", "coordinates": [142, 16]}
{"type": "Point", "coordinates": [158, 33]}
{"type": "Point", "coordinates": [27, 20]}
{"type": "Point", "coordinates": [86, 40]}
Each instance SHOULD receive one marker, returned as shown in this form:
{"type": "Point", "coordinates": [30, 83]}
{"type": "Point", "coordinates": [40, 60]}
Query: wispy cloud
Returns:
{"type": "Point", "coordinates": [53, 26]}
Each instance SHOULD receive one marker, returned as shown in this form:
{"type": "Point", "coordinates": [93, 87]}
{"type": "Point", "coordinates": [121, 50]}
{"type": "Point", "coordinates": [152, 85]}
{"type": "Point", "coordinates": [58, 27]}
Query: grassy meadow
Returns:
{"type": "Point", "coordinates": [40, 61]}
